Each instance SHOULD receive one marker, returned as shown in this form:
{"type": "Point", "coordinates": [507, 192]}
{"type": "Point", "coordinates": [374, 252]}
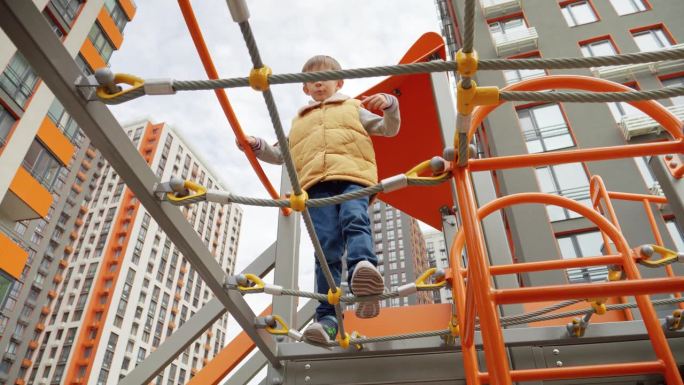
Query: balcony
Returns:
{"type": "Point", "coordinates": [640, 124]}
{"type": "Point", "coordinates": [12, 256]}
{"type": "Point", "coordinates": [496, 8]}
{"type": "Point", "coordinates": [629, 70]}
{"type": "Point", "coordinates": [26, 198]}
{"type": "Point", "coordinates": [516, 41]}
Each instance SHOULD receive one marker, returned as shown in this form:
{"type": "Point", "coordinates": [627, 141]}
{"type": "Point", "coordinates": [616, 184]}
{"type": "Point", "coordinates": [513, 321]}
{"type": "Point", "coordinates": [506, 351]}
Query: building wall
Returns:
{"type": "Point", "coordinates": [438, 257]}
{"type": "Point", "coordinates": [152, 290]}
{"type": "Point", "coordinates": [534, 233]}
{"type": "Point", "coordinates": [41, 208]}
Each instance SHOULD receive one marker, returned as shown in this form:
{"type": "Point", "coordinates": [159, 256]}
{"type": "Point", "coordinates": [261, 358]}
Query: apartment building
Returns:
{"type": "Point", "coordinates": [573, 28]}
{"type": "Point", "coordinates": [401, 252]}
{"type": "Point", "coordinates": [46, 169]}
{"type": "Point", "coordinates": [438, 257]}
{"type": "Point", "coordinates": [128, 287]}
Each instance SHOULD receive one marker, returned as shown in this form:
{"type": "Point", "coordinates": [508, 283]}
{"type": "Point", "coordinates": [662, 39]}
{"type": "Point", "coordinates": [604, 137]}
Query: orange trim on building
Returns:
{"type": "Point", "coordinates": [55, 141]}
{"type": "Point", "coordinates": [128, 7]}
{"type": "Point", "coordinates": [80, 367]}
{"type": "Point", "coordinates": [31, 192]}
{"type": "Point", "coordinates": [12, 257]}
{"type": "Point", "coordinates": [109, 28]}
{"type": "Point", "coordinates": [91, 56]}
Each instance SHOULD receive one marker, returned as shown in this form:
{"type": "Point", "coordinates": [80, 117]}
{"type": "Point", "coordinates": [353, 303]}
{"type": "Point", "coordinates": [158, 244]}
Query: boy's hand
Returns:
{"type": "Point", "coordinates": [250, 140]}
{"type": "Point", "coordinates": [375, 102]}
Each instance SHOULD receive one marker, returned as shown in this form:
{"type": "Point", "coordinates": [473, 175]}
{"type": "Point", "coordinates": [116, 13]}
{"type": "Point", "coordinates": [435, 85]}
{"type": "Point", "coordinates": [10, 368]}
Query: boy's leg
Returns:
{"type": "Point", "coordinates": [325, 221]}
{"type": "Point", "coordinates": [364, 278]}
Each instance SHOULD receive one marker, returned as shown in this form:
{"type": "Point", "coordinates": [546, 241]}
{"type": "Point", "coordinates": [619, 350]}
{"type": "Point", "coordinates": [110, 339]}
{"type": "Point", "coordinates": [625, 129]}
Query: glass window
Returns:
{"type": "Point", "coordinates": [578, 13]}
{"type": "Point", "coordinates": [598, 48]}
{"type": "Point", "coordinates": [117, 14]}
{"type": "Point", "coordinates": [625, 7]}
{"type": "Point", "coordinates": [63, 120]}
{"type": "Point", "coordinates": [41, 164]}
{"type": "Point", "coordinates": [7, 120]}
{"type": "Point", "coordinates": [568, 180]}
{"type": "Point", "coordinates": [583, 245]}
{"type": "Point", "coordinates": [621, 109]}
{"type": "Point", "coordinates": [674, 82]}
{"type": "Point", "coordinates": [67, 9]}
{"type": "Point", "coordinates": [514, 76]}
{"type": "Point", "coordinates": [100, 41]}
{"type": "Point", "coordinates": [508, 29]}
{"type": "Point", "coordinates": [18, 80]}
{"type": "Point", "coordinates": [652, 39]}
{"type": "Point", "coordinates": [544, 128]}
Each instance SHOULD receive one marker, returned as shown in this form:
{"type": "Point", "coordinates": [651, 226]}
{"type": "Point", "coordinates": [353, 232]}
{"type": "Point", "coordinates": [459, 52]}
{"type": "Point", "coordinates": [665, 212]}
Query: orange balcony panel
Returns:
{"type": "Point", "coordinates": [40, 327]}
{"type": "Point", "coordinates": [210, 334]}
{"type": "Point", "coordinates": [207, 347]}
{"type": "Point", "coordinates": [86, 165]}
{"type": "Point", "coordinates": [26, 363]}
{"type": "Point", "coordinates": [76, 187]}
{"type": "Point", "coordinates": [73, 235]}
{"type": "Point", "coordinates": [33, 344]}
{"type": "Point", "coordinates": [179, 283]}
{"type": "Point", "coordinates": [128, 7]}
{"type": "Point", "coordinates": [205, 362]}
{"type": "Point", "coordinates": [91, 56]}
{"type": "Point", "coordinates": [68, 249]}
{"type": "Point", "coordinates": [109, 28]}
{"type": "Point", "coordinates": [83, 209]}
{"type": "Point", "coordinates": [90, 153]}
{"type": "Point", "coordinates": [81, 176]}
{"type": "Point", "coordinates": [52, 294]}
{"type": "Point", "coordinates": [177, 296]}
{"type": "Point", "coordinates": [58, 279]}
{"type": "Point", "coordinates": [55, 141]}
{"type": "Point", "coordinates": [172, 325]}
{"type": "Point", "coordinates": [12, 257]}
{"type": "Point", "coordinates": [174, 310]}
{"type": "Point", "coordinates": [45, 310]}
{"type": "Point", "coordinates": [89, 343]}
{"type": "Point", "coordinates": [63, 263]}
{"type": "Point", "coordinates": [26, 198]}
{"type": "Point", "coordinates": [193, 371]}
{"type": "Point", "coordinates": [20, 381]}
{"type": "Point", "coordinates": [78, 222]}
{"type": "Point", "coordinates": [183, 270]}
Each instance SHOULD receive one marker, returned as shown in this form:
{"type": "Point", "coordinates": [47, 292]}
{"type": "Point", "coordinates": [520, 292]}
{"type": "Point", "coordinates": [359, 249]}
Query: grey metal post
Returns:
{"type": "Point", "coordinates": [26, 27]}
{"type": "Point", "coordinates": [672, 188]}
{"type": "Point", "coordinates": [173, 346]}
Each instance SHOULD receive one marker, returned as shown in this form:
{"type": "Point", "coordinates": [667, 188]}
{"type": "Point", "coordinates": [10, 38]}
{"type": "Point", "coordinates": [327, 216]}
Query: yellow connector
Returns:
{"type": "Point", "coordinates": [466, 63]}
{"type": "Point", "coordinates": [334, 298]}
{"type": "Point", "coordinates": [468, 98]}
{"type": "Point", "coordinates": [133, 81]}
{"type": "Point", "coordinates": [344, 342]}
{"type": "Point", "coordinates": [298, 202]}
{"type": "Point", "coordinates": [258, 78]}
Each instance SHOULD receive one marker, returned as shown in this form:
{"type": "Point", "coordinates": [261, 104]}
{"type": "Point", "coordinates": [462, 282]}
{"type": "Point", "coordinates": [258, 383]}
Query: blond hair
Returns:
{"type": "Point", "coordinates": [321, 62]}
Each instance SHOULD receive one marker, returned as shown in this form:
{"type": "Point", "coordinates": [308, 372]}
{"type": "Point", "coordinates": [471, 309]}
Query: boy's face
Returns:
{"type": "Point", "coordinates": [321, 90]}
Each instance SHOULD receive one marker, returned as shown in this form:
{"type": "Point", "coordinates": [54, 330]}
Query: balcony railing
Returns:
{"type": "Point", "coordinates": [516, 41]}
{"type": "Point", "coordinates": [641, 124]}
{"type": "Point", "coordinates": [495, 8]}
{"type": "Point", "coordinates": [627, 69]}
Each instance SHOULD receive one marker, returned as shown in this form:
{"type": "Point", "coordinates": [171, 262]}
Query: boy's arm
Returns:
{"type": "Point", "coordinates": [265, 152]}
{"type": "Point", "coordinates": [386, 125]}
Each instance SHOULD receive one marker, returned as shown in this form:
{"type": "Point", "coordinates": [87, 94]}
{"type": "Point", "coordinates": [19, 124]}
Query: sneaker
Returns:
{"type": "Point", "coordinates": [322, 332]}
{"type": "Point", "coordinates": [366, 280]}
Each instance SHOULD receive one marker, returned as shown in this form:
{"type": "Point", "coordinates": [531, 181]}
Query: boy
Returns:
{"type": "Point", "coordinates": [333, 154]}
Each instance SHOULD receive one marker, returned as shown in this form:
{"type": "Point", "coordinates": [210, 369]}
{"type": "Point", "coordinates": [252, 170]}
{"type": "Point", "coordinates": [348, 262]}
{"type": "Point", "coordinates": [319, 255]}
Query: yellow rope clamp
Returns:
{"type": "Point", "coordinates": [280, 322]}
{"type": "Point", "coordinates": [133, 81]}
{"type": "Point", "coordinates": [258, 78]}
{"type": "Point", "coordinates": [356, 335]}
{"type": "Point", "coordinates": [453, 326]}
{"type": "Point", "coordinates": [469, 98]}
{"type": "Point", "coordinates": [344, 342]}
{"type": "Point", "coordinates": [598, 304]}
{"type": "Point", "coordinates": [466, 63]}
{"type": "Point", "coordinates": [334, 298]}
{"type": "Point", "coordinates": [420, 282]}
{"type": "Point", "coordinates": [668, 256]}
{"type": "Point", "coordinates": [198, 189]}
{"type": "Point", "coordinates": [614, 273]}
{"type": "Point", "coordinates": [421, 168]}
{"type": "Point", "coordinates": [675, 321]}
{"type": "Point", "coordinates": [258, 284]}
{"type": "Point", "coordinates": [577, 327]}
{"type": "Point", "coordinates": [298, 202]}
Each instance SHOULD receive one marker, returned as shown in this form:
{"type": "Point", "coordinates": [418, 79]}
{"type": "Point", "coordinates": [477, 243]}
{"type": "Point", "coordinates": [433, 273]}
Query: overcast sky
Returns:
{"type": "Point", "coordinates": [359, 33]}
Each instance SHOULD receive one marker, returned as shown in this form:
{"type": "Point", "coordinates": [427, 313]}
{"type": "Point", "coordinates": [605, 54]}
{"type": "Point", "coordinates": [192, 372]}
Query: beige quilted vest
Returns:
{"type": "Point", "coordinates": [328, 142]}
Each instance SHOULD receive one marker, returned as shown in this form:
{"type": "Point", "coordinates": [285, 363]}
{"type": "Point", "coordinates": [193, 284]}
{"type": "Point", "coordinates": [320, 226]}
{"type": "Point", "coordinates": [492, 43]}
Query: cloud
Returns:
{"type": "Point", "coordinates": [359, 33]}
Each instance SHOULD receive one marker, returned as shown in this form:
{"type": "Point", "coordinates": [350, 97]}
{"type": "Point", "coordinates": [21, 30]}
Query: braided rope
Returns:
{"type": "Point", "coordinates": [591, 97]}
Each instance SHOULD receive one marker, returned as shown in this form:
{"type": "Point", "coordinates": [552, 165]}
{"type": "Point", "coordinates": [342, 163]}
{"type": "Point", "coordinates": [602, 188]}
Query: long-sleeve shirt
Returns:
{"type": "Point", "coordinates": [386, 125]}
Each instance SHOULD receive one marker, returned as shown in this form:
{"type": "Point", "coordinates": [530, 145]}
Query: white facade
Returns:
{"type": "Point", "coordinates": [438, 256]}
{"type": "Point", "coordinates": [156, 290]}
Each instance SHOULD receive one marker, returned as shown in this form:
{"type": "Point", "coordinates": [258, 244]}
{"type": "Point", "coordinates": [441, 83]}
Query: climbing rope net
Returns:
{"type": "Point", "coordinates": [438, 169]}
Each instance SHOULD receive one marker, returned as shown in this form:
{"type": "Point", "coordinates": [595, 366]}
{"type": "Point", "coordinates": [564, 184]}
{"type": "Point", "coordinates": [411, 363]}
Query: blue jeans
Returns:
{"type": "Point", "coordinates": [340, 227]}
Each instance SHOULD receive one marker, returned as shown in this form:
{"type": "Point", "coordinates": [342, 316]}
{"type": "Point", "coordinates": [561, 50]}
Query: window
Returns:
{"type": "Point", "coordinates": [676, 234]}
{"type": "Point", "coordinates": [568, 180]}
{"type": "Point", "coordinates": [652, 39]}
{"type": "Point", "coordinates": [100, 41]}
{"type": "Point", "coordinates": [645, 171]}
{"type": "Point", "coordinates": [67, 9]}
{"type": "Point", "coordinates": [514, 76]}
{"type": "Point", "coordinates": [578, 13]}
{"type": "Point", "coordinates": [673, 82]}
{"type": "Point", "coordinates": [583, 245]}
{"type": "Point", "coordinates": [7, 120]}
{"type": "Point", "coordinates": [544, 128]}
{"type": "Point", "coordinates": [626, 7]}
{"type": "Point", "coordinates": [621, 109]}
{"type": "Point", "coordinates": [63, 121]}
{"type": "Point", "coordinates": [116, 13]}
{"type": "Point", "coordinates": [18, 80]}
{"type": "Point", "coordinates": [604, 47]}
{"type": "Point", "coordinates": [41, 164]}
{"type": "Point", "coordinates": [508, 29]}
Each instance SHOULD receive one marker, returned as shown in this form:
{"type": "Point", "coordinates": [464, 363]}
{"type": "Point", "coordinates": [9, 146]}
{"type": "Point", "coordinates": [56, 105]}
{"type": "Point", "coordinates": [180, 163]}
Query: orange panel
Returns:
{"type": "Point", "coordinates": [611, 316]}
{"type": "Point", "coordinates": [91, 56]}
{"type": "Point", "coordinates": [12, 257]}
{"type": "Point", "coordinates": [128, 7]}
{"type": "Point", "coordinates": [55, 141]}
{"type": "Point", "coordinates": [109, 28]}
{"type": "Point", "coordinates": [418, 140]}
{"type": "Point", "coordinates": [401, 320]}
{"type": "Point", "coordinates": [31, 192]}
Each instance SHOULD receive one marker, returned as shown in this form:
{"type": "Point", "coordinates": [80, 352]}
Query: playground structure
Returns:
{"type": "Point", "coordinates": [446, 181]}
